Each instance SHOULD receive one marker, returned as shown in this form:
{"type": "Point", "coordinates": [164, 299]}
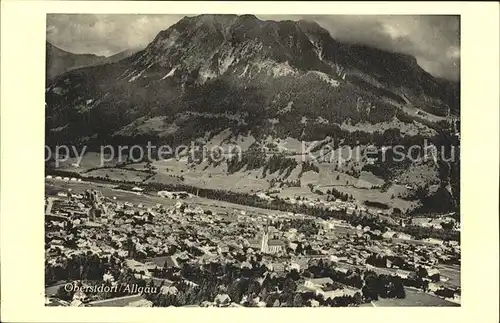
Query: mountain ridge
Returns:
{"type": "Point", "coordinates": [196, 50]}
{"type": "Point", "coordinates": [60, 61]}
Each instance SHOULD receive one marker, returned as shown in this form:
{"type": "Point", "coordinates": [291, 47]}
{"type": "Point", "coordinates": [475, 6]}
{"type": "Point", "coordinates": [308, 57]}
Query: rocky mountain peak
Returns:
{"type": "Point", "coordinates": [232, 63]}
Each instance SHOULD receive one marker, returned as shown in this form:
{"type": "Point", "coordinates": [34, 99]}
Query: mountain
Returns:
{"type": "Point", "coordinates": [121, 55]}
{"type": "Point", "coordinates": [261, 82]}
{"type": "Point", "coordinates": [59, 61]}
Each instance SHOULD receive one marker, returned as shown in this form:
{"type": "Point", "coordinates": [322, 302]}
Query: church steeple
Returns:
{"type": "Point", "coordinates": [264, 246]}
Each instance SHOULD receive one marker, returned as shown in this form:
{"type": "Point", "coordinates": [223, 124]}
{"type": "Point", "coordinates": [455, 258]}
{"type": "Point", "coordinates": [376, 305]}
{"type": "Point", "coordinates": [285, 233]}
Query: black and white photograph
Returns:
{"type": "Point", "coordinates": [243, 161]}
{"type": "Point", "coordinates": [240, 160]}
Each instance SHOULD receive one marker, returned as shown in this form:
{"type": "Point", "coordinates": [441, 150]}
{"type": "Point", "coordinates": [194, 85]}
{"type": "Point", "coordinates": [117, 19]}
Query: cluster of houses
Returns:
{"type": "Point", "coordinates": [154, 237]}
{"type": "Point", "coordinates": [437, 222]}
{"type": "Point", "coordinates": [174, 195]}
{"type": "Point", "coordinates": [66, 179]}
{"type": "Point", "coordinates": [331, 205]}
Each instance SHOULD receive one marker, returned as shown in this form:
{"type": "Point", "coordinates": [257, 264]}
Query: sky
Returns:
{"type": "Point", "coordinates": [433, 40]}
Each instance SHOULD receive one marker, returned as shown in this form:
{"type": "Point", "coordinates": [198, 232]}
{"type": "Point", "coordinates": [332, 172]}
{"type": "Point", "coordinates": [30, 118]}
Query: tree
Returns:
{"type": "Point", "coordinates": [63, 294]}
{"type": "Point", "coordinates": [421, 272]}
{"type": "Point", "coordinates": [447, 225]}
{"type": "Point", "coordinates": [445, 292]}
{"type": "Point", "coordinates": [370, 290]}
{"type": "Point", "coordinates": [298, 301]}
{"type": "Point", "coordinates": [181, 298]}
{"type": "Point", "coordinates": [191, 296]}
{"type": "Point", "coordinates": [263, 293]}
{"type": "Point", "coordinates": [161, 301]}
{"type": "Point", "coordinates": [358, 299]}
{"type": "Point", "coordinates": [293, 274]}
{"type": "Point", "coordinates": [234, 291]}
{"type": "Point", "coordinates": [399, 290]}
{"type": "Point", "coordinates": [130, 247]}
{"type": "Point", "coordinates": [253, 288]}
{"type": "Point", "coordinates": [425, 285]}
{"type": "Point", "coordinates": [289, 286]}
{"type": "Point", "coordinates": [435, 278]}
{"type": "Point", "coordinates": [271, 300]}
{"type": "Point", "coordinates": [288, 298]}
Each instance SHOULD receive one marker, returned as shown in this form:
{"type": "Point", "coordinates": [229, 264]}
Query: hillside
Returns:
{"type": "Point", "coordinates": [121, 55]}
{"type": "Point", "coordinates": [237, 79]}
{"type": "Point", "coordinates": [59, 61]}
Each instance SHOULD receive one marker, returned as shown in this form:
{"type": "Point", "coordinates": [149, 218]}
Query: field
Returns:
{"type": "Point", "coordinates": [413, 298]}
{"type": "Point", "coordinates": [366, 187]}
{"type": "Point", "coordinates": [118, 174]}
{"type": "Point", "coordinates": [163, 179]}
{"type": "Point", "coordinates": [88, 161]}
{"type": "Point", "coordinates": [362, 194]}
{"type": "Point", "coordinates": [412, 111]}
{"type": "Point", "coordinates": [206, 176]}
{"type": "Point", "coordinates": [452, 272]}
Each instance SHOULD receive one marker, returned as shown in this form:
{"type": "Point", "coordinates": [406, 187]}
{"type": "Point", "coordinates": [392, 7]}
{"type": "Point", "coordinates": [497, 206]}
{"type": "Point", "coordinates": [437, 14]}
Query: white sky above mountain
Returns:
{"type": "Point", "coordinates": [433, 40]}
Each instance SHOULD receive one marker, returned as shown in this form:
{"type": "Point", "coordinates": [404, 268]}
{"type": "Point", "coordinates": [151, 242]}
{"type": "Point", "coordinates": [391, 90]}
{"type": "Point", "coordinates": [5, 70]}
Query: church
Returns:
{"type": "Point", "coordinates": [268, 245]}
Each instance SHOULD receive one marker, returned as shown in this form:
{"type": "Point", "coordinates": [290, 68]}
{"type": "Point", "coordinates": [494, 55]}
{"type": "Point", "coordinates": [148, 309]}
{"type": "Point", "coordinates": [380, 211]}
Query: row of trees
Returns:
{"type": "Point", "coordinates": [279, 163]}
{"type": "Point", "coordinates": [253, 159]}
{"type": "Point", "coordinates": [78, 267]}
{"type": "Point", "coordinates": [308, 166]}
{"type": "Point", "coordinates": [339, 195]}
{"type": "Point", "coordinates": [383, 286]}
{"type": "Point", "coordinates": [284, 183]}
{"type": "Point", "coordinates": [376, 204]}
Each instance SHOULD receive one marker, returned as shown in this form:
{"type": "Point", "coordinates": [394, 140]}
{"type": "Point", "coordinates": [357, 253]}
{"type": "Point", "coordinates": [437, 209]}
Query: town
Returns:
{"type": "Point", "coordinates": [108, 245]}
